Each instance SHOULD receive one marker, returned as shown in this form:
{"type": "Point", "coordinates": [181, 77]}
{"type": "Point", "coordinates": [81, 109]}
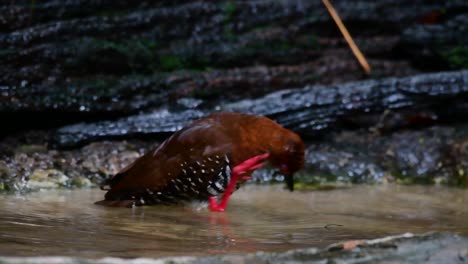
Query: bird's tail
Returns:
{"type": "Point", "coordinates": [107, 184]}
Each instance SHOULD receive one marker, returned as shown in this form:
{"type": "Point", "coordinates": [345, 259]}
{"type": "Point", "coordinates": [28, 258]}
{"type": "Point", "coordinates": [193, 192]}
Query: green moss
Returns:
{"type": "Point", "coordinates": [101, 84]}
{"type": "Point", "coordinates": [229, 9]}
{"type": "Point", "coordinates": [6, 52]}
{"type": "Point", "coordinates": [6, 177]}
{"type": "Point", "coordinates": [302, 186]}
{"type": "Point", "coordinates": [260, 28]}
{"type": "Point", "coordinates": [404, 181]}
{"type": "Point", "coordinates": [80, 182]}
{"type": "Point", "coordinates": [31, 148]}
{"type": "Point", "coordinates": [315, 16]}
{"type": "Point", "coordinates": [311, 177]}
{"type": "Point", "coordinates": [148, 44]}
{"type": "Point", "coordinates": [136, 54]}
{"type": "Point", "coordinates": [47, 179]}
{"type": "Point", "coordinates": [310, 41]}
{"type": "Point", "coordinates": [228, 33]}
{"type": "Point", "coordinates": [457, 58]}
{"type": "Point", "coordinates": [460, 178]}
{"type": "Point", "coordinates": [192, 62]}
{"type": "Point", "coordinates": [411, 179]}
{"type": "Point", "coordinates": [141, 56]}
{"type": "Point", "coordinates": [206, 93]}
{"type": "Point", "coordinates": [32, 8]}
{"type": "Point", "coordinates": [170, 63]}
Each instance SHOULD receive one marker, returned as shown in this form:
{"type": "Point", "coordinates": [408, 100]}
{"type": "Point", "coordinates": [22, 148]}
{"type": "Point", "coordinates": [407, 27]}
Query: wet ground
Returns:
{"type": "Point", "coordinates": [67, 223]}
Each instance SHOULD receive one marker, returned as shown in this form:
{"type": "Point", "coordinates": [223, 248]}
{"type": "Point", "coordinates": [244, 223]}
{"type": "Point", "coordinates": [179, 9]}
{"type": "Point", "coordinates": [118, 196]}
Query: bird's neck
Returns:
{"type": "Point", "coordinates": [256, 140]}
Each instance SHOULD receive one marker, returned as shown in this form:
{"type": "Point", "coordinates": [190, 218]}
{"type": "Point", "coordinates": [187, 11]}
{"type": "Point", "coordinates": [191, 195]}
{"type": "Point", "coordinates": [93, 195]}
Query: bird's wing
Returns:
{"type": "Point", "coordinates": [193, 162]}
{"type": "Point", "coordinates": [196, 180]}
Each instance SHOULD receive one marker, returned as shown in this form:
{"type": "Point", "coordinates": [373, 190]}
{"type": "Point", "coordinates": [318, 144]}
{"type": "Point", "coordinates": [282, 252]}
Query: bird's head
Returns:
{"type": "Point", "coordinates": [287, 155]}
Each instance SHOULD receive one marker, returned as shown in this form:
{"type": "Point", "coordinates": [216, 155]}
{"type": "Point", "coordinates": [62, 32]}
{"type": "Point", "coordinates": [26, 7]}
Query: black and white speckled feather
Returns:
{"type": "Point", "coordinates": [197, 181]}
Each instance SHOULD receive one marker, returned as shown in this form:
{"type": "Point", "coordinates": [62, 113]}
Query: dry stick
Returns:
{"type": "Point", "coordinates": [359, 56]}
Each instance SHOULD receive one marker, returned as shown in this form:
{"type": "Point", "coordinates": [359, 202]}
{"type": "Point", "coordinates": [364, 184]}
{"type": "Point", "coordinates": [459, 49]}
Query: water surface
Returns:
{"type": "Point", "coordinates": [67, 223]}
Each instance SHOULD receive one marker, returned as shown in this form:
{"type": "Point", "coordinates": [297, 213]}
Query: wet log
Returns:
{"type": "Point", "coordinates": [110, 97]}
{"type": "Point", "coordinates": [78, 60]}
{"type": "Point", "coordinates": [313, 110]}
{"type": "Point", "coordinates": [158, 124]}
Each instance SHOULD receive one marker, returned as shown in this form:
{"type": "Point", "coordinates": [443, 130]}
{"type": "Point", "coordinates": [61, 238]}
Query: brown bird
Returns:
{"type": "Point", "coordinates": [205, 159]}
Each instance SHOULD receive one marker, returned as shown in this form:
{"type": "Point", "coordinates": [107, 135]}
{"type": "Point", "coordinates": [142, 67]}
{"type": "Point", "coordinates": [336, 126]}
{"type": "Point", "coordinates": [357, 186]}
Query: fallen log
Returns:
{"type": "Point", "coordinates": [310, 111]}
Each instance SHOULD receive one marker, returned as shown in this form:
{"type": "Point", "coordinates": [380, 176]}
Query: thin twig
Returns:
{"type": "Point", "coordinates": [354, 48]}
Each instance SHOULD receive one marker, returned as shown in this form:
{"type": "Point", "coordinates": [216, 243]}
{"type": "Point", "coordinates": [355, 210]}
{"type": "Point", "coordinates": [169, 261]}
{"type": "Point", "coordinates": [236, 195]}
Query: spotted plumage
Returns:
{"type": "Point", "coordinates": [197, 162]}
{"type": "Point", "coordinates": [194, 183]}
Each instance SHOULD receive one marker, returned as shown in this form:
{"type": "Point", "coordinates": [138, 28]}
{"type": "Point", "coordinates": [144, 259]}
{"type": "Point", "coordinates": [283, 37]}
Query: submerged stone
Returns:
{"type": "Point", "coordinates": [406, 248]}
{"type": "Point", "coordinates": [47, 179]}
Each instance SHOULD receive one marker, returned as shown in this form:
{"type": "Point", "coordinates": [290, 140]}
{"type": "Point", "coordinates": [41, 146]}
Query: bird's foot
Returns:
{"type": "Point", "coordinates": [241, 171]}
{"type": "Point", "coordinates": [214, 206]}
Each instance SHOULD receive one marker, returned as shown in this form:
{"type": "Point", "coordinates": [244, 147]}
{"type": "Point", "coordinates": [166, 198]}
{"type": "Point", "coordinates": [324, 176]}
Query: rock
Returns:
{"type": "Point", "coordinates": [99, 161]}
{"type": "Point", "coordinates": [5, 179]}
{"type": "Point", "coordinates": [47, 179]}
{"type": "Point", "coordinates": [80, 182]}
{"type": "Point", "coordinates": [25, 171]}
{"type": "Point", "coordinates": [434, 155]}
{"type": "Point", "coordinates": [10, 180]}
{"type": "Point", "coordinates": [428, 156]}
{"type": "Point", "coordinates": [458, 162]}
{"type": "Point", "coordinates": [405, 248]}
{"type": "Point", "coordinates": [419, 156]}
{"type": "Point", "coordinates": [327, 164]}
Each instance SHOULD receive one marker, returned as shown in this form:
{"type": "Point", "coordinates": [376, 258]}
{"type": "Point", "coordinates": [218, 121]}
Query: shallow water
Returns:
{"type": "Point", "coordinates": [268, 218]}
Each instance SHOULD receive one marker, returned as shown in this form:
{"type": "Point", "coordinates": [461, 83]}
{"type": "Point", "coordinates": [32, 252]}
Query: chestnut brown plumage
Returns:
{"type": "Point", "coordinates": [207, 158]}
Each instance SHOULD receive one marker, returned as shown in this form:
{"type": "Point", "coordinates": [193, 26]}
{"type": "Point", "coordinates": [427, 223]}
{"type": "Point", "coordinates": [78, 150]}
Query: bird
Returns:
{"type": "Point", "coordinates": [206, 161]}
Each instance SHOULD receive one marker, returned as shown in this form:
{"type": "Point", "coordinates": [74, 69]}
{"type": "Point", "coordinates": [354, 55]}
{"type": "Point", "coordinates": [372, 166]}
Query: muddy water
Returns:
{"type": "Point", "coordinates": [258, 218]}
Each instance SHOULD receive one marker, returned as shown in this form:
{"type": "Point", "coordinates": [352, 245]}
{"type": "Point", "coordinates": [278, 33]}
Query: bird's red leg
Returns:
{"type": "Point", "coordinates": [246, 166]}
